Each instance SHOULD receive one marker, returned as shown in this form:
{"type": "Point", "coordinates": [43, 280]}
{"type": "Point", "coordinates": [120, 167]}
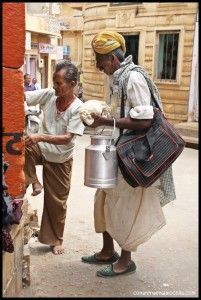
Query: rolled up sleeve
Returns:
{"type": "Point", "coordinates": [139, 97]}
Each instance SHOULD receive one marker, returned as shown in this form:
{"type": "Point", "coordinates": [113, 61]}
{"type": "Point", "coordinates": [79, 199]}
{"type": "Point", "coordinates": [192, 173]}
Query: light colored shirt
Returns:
{"type": "Point", "coordinates": [37, 86]}
{"type": "Point", "coordinates": [54, 124]}
{"type": "Point", "coordinates": [138, 93]}
{"type": "Point", "coordinates": [29, 87]}
{"type": "Point", "coordinates": [31, 108]}
{"type": "Point", "coordinates": [138, 102]}
{"type": "Point", "coordinates": [139, 97]}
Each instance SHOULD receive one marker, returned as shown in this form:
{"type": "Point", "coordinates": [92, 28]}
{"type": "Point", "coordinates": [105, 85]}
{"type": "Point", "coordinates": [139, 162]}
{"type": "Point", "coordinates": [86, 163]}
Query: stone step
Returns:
{"type": "Point", "coordinates": [190, 140]}
{"type": "Point", "coordinates": [188, 129]}
{"type": "Point", "coordinates": [189, 132]}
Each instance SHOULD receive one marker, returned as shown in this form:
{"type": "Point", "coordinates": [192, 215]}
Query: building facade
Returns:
{"type": "Point", "coordinates": [71, 26]}
{"type": "Point", "coordinates": [43, 39]}
{"type": "Point", "coordinates": [160, 36]}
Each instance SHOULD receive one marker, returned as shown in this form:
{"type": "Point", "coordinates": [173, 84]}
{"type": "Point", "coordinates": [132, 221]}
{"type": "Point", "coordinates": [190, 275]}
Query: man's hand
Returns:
{"type": "Point", "coordinates": [32, 139]}
{"type": "Point", "coordinates": [98, 121]}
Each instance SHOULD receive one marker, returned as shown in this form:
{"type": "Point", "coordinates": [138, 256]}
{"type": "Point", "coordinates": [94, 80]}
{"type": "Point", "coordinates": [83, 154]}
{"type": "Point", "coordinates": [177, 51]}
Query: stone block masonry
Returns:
{"type": "Point", "coordinates": [13, 34]}
{"type": "Point", "coordinates": [13, 141]}
{"type": "Point", "coordinates": [13, 94]}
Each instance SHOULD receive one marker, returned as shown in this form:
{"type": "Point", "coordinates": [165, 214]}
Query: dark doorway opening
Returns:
{"type": "Point", "coordinates": [132, 46]}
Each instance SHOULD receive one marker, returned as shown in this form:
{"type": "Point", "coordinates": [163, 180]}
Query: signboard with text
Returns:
{"type": "Point", "coordinates": [47, 48]}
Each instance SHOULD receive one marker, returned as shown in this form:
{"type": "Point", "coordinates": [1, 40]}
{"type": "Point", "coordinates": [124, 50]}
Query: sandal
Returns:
{"type": "Point", "coordinates": [109, 272]}
{"type": "Point", "coordinates": [92, 259]}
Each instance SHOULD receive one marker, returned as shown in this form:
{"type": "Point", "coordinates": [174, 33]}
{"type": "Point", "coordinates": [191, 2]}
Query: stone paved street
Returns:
{"type": "Point", "coordinates": [167, 264]}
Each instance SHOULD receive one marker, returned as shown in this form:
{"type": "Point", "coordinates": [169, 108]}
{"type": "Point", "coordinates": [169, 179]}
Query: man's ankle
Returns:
{"type": "Point", "coordinates": [37, 188]}
{"type": "Point", "coordinates": [108, 252]}
{"type": "Point", "coordinates": [37, 185]}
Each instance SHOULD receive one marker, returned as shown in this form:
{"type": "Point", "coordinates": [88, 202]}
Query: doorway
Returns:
{"type": "Point", "coordinates": [33, 61]}
{"type": "Point", "coordinates": [44, 72]}
{"type": "Point", "coordinates": [132, 46]}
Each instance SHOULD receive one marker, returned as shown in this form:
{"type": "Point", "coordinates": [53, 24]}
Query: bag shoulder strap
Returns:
{"type": "Point", "coordinates": [154, 102]}
{"type": "Point", "coordinates": [122, 111]}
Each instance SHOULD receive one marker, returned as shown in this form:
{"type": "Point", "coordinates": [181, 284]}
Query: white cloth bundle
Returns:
{"type": "Point", "coordinates": [94, 106]}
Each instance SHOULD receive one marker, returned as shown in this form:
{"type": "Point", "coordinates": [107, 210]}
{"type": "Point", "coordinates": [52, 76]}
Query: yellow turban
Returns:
{"type": "Point", "coordinates": [107, 41]}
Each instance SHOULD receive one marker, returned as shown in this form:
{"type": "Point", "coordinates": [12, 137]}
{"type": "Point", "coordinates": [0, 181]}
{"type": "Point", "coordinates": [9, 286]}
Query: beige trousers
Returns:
{"type": "Point", "coordinates": [130, 215]}
{"type": "Point", "coordinates": [56, 182]}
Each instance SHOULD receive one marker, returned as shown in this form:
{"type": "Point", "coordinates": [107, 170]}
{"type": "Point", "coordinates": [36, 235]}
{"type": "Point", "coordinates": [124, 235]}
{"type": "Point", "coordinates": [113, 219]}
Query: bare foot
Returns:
{"type": "Point", "coordinates": [59, 249]}
{"type": "Point", "coordinates": [37, 188]}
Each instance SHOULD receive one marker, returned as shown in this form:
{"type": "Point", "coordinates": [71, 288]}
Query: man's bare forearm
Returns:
{"type": "Point", "coordinates": [48, 138]}
{"type": "Point", "coordinates": [124, 123]}
{"type": "Point", "coordinates": [57, 139]}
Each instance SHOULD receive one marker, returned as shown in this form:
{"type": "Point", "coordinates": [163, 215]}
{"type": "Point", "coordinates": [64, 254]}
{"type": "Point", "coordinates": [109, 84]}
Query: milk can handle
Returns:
{"type": "Point", "coordinates": [113, 135]}
{"type": "Point", "coordinates": [113, 132]}
{"type": "Point", "coordinates": [114, 127]}
{"type": "Point", "coordinates": [107, 153]}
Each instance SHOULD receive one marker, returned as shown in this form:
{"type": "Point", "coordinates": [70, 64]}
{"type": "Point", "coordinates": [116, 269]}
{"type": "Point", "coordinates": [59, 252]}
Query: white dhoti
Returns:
{"type": "Point", "coordinates": [130, 215]}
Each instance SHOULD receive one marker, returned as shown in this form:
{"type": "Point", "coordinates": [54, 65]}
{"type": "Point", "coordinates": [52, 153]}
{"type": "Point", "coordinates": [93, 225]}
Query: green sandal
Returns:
{"type": "Point", "coordinates": [108, 271]}
{"type": "Point", "coordinates": [92, 259]}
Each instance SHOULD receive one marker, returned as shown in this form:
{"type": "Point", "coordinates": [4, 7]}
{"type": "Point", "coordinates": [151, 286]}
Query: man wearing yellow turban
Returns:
{"type": "Point", "coordinates": [128, 215]}
{"type": "Point", "coordinates": [109, 48]}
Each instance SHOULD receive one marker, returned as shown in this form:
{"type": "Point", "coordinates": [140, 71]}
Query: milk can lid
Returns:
{"type": "Point", "coordinates": [101, 137]}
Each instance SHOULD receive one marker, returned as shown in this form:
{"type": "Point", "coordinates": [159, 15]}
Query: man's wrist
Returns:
{"type": "Point", "coordinates": [41, 138]}
{"type": "Point", "coordinates": [109, 122]}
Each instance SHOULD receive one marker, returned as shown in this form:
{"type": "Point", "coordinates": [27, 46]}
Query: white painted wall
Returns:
{"type": "Point", "coordinates": [193, 95]}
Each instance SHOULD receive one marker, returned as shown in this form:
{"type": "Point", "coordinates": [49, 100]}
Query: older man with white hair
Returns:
{"type": "Point", "coordinates": [128, 215]}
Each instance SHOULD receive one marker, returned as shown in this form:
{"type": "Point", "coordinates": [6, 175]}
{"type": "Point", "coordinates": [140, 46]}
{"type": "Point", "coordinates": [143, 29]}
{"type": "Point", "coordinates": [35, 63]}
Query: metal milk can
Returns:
{"type": "Point", "coordinates": [101, 162]}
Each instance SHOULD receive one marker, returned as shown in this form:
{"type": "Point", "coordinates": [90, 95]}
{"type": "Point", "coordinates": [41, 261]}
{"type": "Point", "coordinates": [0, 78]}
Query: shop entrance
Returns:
{"type": "Point", "coordinates": [132, 46]}
{"type": "Point", "coordinates": [29, 66]}
{"type": "Point", "coordinates": [33, 66]}
{"type": "Point", "coordinates": [44, 72]}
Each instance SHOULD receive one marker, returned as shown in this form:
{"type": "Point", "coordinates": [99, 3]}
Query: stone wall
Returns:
{"type": "Point", "coordinates": [13, 94]}
{"type": "Point", "coordinates": [13, 142]}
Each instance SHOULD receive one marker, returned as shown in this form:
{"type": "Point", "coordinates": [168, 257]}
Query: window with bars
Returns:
{"type": "Point", "coordinates": [66, 50]}
{"type": "Point", "coordinates": [132, 45]}
{"type": "Point", "coordinates": [167, 57]}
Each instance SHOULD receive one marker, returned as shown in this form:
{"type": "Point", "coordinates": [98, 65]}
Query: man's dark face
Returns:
{"type": "Point", "coordinates": [27, 80]}
{"type": "Point", "coordinates": [106, 63]}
